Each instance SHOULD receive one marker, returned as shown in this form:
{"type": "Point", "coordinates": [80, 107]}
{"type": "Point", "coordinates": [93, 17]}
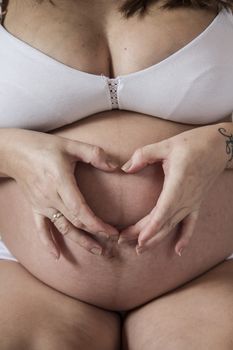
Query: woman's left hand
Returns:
{"type": "Point", "coordinates": [191, 162]}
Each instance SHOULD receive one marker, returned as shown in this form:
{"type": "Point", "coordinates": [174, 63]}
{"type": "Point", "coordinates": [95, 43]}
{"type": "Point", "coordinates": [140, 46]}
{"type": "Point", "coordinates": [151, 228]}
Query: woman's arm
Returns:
{"type": "Point", "coordinates": [43, 166]}
{"type": "Point", "coordinates": [226, 131]}
{"type": "Point", "coordinates": [191, 161]}
{"type": "Point", "coordinates": [3, 143]}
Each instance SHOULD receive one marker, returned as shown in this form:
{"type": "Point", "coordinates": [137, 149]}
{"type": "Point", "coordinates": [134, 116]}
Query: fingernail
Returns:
{"type": "Point", "coordinates": [127, 165]}
{"type": "Point", "coordinates": [140, 250]}
{"type": "Point", "coordinates": [104, 234]}
{"type": "Point", "coordinates": [112, 164]}
{"type": "Point", "coordinates": [96, 251]}
{"type": "Point", "coordinates": [122, 240]}
{"type": "Point", "coordinates": [180, 251]}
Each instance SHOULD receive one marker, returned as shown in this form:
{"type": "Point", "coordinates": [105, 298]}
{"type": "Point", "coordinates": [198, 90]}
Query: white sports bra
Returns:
{"type": "Point", "coordinates": [193, 85]}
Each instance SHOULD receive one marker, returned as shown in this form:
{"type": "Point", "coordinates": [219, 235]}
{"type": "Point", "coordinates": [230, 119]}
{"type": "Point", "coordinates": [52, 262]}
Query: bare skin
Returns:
{"type": "Point", "coordinates": [39, 317]}
{"type": "Point", "coordinates": [121, 199]}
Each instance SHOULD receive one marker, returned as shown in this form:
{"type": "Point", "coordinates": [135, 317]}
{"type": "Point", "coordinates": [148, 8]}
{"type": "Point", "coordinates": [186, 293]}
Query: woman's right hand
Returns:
{"type": "Point", "coordinates": [43, 166]}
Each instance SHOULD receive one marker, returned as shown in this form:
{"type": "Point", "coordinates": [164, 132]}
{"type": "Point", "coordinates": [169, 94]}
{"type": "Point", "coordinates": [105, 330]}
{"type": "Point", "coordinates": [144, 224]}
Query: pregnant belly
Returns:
{"type": "Point", "coordinates": [125, 280]}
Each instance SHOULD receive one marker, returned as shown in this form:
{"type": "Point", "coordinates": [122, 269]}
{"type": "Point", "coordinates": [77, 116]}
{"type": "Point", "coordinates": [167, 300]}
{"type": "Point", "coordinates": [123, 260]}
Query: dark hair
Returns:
{"type": "Point", "coordinates": [140, 7]}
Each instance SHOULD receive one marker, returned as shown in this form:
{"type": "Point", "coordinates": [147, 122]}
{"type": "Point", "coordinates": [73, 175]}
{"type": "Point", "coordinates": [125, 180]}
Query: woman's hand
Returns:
{"type": "Point", "coordinates": [43, 166]}
{"type": "Point", "coordinates": [191, 162]}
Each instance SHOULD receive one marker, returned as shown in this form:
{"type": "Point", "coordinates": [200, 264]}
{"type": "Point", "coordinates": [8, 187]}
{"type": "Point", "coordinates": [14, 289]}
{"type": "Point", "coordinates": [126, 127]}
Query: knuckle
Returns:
{"type": "Point", "coordinates": [96, 152]}
{"type": "Point", "coordinates": [77, 222]}
{"type": "Point", "coordinates": [80, 215]}
{"type": "Point", "coordinates": [63, 226]}
{"type": "Point", "coordinates": [77, 210]}
{"type": "Point", "coordinates": [147, 148]}
{"type": "Point", "coordinates": [84, 242]}
{"type": "Point", "coordinates": [139, 153]}
{"type": "Point", "coordinates": [156, 224]}
{"type": "Point", "coordinates": [51, 174]}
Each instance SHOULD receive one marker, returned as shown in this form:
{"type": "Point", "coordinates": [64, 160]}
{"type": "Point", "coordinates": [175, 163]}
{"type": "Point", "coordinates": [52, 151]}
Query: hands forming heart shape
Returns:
{"type": "Point", "coordinates": [190, 167]}
{"type": "Point", "coordinates": [43, 166]}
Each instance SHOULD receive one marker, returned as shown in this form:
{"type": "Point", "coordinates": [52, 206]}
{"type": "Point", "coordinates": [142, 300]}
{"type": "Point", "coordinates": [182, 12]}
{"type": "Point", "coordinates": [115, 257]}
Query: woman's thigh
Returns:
{"type": "Point", "coordinates": [34, 316]}
{"type": "Point", "coordinates": [198, 315]}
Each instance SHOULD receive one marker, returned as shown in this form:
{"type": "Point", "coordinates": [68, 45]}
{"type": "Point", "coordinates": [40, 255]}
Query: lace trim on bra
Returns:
{"type": "Point", "coordinates": [113, 87]}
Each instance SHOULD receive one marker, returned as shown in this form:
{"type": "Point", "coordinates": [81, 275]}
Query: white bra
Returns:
{"type": "Point", "coordinates": [193, 85]}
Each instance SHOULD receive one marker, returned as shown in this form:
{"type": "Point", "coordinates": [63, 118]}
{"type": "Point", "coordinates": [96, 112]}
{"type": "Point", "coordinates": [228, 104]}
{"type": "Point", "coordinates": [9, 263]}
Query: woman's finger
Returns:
{"type": "Point", "coordinates": [187, 228]}
{"type": "Point", "coordinates": [92, 154]}
{"type": "Point", "coordinates": [79, 214]}
{"type": "Point", "coordinates": [156, 239]}
{"type": "Point", "coordinates": [76, 235]}
{"type": "Point", "coordinates": [161, 217]}
{"type": "Point", "coordinates": [164, 211]}
{"type": "Point", "coordinates": [43, 227]}
{"type": "Point", "coordinates": [132, 232]}
{"type": "Point", "coordinates": [144, 156]}
{"type": "Point", "coordinates": [151, 222]}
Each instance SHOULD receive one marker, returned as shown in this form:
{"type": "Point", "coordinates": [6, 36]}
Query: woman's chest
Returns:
{"type": "Point", "coordinates": [57, 63]}
{"type": "Point", "coordinates": [94, 37]}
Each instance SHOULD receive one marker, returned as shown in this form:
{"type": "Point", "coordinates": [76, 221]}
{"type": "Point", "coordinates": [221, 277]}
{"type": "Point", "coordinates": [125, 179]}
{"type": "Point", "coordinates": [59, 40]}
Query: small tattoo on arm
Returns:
{"type": "Point", "coordinates": [229, 142]}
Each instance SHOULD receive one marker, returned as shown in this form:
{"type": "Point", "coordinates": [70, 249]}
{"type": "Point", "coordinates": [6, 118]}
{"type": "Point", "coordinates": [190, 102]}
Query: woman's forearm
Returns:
{"type": "Point", "coordinates": [8, 148]}
{"type": "Point", "coordinates": [4, 141]}
{"type": "Point", "coordinates": [224, 131]}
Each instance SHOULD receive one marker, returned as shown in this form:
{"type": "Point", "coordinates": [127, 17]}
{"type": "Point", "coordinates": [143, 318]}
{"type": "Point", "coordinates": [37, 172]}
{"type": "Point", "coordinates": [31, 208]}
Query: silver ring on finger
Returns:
{"type": "Point", "coordinates": [55, 216]}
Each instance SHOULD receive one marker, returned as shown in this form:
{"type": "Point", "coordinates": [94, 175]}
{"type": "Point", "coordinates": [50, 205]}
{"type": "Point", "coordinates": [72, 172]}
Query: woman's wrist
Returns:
{"type": "Point", "coordinates": [4, 142]}
{"type": "Point", "coordinates": [8, 147]}
{"type": "Point", "coordinates": [223, 132]}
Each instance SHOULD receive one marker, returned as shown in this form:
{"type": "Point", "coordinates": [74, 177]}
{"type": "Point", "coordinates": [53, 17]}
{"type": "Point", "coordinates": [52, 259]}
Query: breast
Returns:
{"type": "Point", "coordinates": [193, 85]}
